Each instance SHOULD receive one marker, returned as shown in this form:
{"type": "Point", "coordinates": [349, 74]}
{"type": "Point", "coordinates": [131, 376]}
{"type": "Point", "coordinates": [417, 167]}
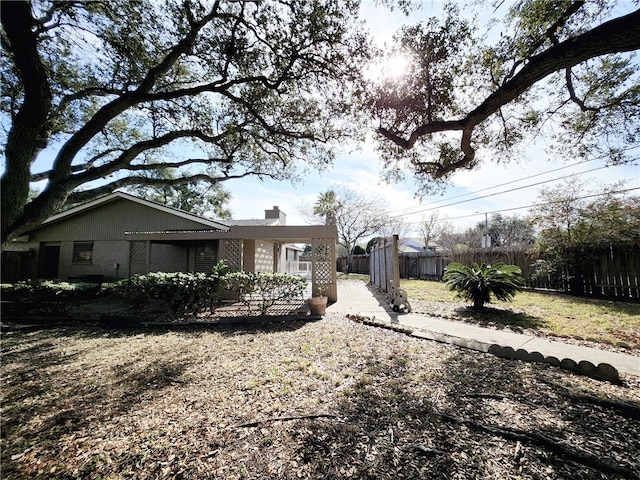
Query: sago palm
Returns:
{"type": "Point", "coordinates": [478, 283]}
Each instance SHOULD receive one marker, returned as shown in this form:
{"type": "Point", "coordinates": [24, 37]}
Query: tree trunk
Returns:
{"type": "Point", "coordinates": [478, 303]}
{"type": "Point", "coordinates": [29, 132]}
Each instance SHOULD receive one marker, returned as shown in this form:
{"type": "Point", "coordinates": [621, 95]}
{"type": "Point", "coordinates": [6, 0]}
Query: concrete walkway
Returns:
{"type": "Point", "coordinates": [356, 298]}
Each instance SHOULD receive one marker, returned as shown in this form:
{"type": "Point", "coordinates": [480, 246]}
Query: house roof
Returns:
{"type": "Point", "coordinates": [212, 224]}
{"type": "Point", "coordinates": [265, 222]}
{"type": "Point", "coordinates": [408, 244]}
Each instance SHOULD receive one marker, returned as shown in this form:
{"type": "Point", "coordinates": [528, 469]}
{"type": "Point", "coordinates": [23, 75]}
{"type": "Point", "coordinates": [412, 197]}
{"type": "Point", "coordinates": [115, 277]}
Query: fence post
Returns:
{"type": "Point", "coordinates": [396, 262]}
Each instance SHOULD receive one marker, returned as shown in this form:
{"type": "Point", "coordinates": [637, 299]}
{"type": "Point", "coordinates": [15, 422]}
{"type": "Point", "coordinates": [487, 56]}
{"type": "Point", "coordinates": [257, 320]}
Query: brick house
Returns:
{"type": "Point", "coordinates": [120, 235]}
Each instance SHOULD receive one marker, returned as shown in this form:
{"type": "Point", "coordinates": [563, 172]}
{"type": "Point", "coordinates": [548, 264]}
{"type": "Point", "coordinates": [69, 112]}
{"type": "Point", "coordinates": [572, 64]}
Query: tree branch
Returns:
{"type": "Point", "coordinates": [549, 34]}
{"type": "Point", "coordinates": [126, 157]}
{"type": "Point", "coordinates": [618, 35]}
{"type": "Point", "coordinates": [570, 452]}
{"type": "Point", "coordinates": [62, 165]}
{"type": "Point", "coordinates": [87, 195]}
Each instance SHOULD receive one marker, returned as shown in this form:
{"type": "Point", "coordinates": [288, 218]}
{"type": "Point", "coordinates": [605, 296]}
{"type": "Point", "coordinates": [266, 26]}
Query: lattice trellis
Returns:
{"type": "Point", "coordinates": [138, 258]}
{"type": "Point", "coordinates": [233, 253]}
{"type": "Point", "coordinates": [323, 264]}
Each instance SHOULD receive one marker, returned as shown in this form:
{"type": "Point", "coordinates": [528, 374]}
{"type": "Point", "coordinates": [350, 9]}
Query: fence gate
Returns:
{"type": "Point", "coordinates": [384, 266]}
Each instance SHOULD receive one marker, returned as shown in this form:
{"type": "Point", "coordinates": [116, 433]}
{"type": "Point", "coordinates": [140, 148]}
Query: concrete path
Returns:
{"type": "Point", "coordinates": [355, 297]}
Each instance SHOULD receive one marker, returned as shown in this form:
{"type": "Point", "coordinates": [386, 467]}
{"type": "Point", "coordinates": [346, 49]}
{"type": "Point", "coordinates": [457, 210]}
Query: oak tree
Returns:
{"type": "Point", "coordinates": [565, 69]}
{"type": "Point", "coordinates": [98, 95]}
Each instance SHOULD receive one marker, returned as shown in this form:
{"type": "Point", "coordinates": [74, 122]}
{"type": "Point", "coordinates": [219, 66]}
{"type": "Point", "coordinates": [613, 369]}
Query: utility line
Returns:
{"type": "Point", "coordinates": [522, 179]}
{"type": "Point", "coordinates": [529, 206]}
{"type": "Point", "coordinates": [507, 191]}
{"type": "Point", "coordinates": [506, 183]}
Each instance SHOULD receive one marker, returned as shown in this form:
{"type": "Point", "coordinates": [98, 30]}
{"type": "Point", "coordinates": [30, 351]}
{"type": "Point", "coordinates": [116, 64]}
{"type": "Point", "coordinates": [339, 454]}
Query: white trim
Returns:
{"type": "Point", "coordinates": [116, 195]}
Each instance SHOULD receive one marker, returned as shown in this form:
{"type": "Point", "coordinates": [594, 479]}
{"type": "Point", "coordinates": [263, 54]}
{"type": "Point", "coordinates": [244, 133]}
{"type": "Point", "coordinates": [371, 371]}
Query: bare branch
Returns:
{"type": "Point", "coordinates": [87, 195]}
{"type": "Point", "coordinates": [572, 94]}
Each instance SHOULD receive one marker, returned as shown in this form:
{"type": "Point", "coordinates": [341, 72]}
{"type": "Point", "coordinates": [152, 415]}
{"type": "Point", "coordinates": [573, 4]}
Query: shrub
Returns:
{"type": "Point", "coordinates": [48, 296]}
{"type": "Point", "coordinates": [477, 283]}
{"type": "Point", "coordinates": [266, 288]}
{"type": "Point", "coordinates": [182, 292]}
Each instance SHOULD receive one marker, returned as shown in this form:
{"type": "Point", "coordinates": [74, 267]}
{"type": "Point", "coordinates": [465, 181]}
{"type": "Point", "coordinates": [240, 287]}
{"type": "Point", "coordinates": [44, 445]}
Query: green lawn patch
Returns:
{"type": "Point", "coordinates": [556, 313]}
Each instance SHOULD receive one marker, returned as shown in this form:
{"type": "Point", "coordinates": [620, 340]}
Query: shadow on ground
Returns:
{"type": "Point", "coordinates": [498, 316]}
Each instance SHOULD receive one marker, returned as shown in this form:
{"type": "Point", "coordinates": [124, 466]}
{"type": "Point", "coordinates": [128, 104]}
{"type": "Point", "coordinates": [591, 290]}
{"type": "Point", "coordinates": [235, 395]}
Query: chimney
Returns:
{"type": "Point", "coordinates": [275, 212]}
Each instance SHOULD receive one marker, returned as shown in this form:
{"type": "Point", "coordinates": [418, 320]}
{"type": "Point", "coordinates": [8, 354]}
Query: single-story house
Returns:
{"type": "Point", "coordinates": [416, 245]}
{"type": "Point", "coordinates": [120, 235]}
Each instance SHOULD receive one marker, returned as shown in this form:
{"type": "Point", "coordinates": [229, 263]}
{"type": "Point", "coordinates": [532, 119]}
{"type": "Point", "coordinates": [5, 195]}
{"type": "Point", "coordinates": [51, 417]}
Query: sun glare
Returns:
{"type": "Point", "coordinates": [394, 66]}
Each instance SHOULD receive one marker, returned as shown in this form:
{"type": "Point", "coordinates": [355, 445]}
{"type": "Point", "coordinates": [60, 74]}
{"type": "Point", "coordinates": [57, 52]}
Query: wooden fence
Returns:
{"type": "Point", "coordinates": [612, 272]}
{"type": "Point", "coordinates": [384, 265]}
{"type": "Point", "coordinates": [355, 264]}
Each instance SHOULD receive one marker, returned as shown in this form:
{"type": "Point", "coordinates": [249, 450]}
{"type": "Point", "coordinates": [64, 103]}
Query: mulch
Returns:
{"type": "Point", "coordinates": [297, 399]}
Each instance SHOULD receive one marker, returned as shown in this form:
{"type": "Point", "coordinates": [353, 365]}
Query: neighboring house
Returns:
{"type": "Point", "coordinates": [121, 235]}
{"type": "Point", "coordinates": [416, 245]}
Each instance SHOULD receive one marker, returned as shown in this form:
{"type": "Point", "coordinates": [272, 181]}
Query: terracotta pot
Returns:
{"type": "Point", "coordinates": [317, 305]}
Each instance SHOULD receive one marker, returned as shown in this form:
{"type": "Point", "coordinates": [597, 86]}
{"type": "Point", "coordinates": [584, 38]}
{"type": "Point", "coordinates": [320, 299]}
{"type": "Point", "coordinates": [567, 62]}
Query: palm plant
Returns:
{"type": "Point", "coordinates": [477, 283]}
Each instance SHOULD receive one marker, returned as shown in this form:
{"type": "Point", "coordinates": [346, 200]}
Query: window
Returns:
{"type": "Point", "coordinates": [206, 255]}
{"type": "Point", "coordinates": [82, 253]}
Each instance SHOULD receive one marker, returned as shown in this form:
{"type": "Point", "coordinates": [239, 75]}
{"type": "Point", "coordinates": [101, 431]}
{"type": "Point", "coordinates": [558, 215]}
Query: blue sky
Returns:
{"type": "Point", "coordinates": [361, 169]}
{"type": "Point", "coordinates": [359, 166]}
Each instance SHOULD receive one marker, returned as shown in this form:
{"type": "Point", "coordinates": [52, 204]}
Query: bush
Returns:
{"type": "Point", "coordinates": [48, 296]}
{"type": "Point", "coordinates": [266, 288]}
{"type": "Point", "coordinates": [476, 284]}
{"type": "Point", "coordinates": [182, 292]}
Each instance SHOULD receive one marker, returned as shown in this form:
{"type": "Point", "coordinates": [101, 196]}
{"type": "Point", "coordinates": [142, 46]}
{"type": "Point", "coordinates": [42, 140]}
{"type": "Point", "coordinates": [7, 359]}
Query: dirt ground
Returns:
{"type": "Point", "coordinates": [299, 399]}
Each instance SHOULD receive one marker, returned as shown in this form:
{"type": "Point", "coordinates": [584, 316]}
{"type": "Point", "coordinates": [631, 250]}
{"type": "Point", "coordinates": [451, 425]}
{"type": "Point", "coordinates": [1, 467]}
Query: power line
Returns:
{"type": "Point", "coordinates": [507, 183]}
{"type": "Point", "coordinates": [508, 191]}
{"type": "Point", "coordinates": [522, 179]}
{"type": "Point", "coordinates": [529, 206]}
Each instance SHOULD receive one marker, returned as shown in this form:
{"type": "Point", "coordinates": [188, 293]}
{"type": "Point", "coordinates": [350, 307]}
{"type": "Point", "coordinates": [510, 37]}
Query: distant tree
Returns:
{"type": "Point", "coordinates": [358, 250]}
{"type": "Point", "coordinates": [326, 205]}
{"type": "Point", "coordinates": [573, 223]}
{"type": "Point", "coordinates": [356, 215]}
{"type": "Point", "coordinates": [504, 231]}
{"type": "Point", "coordinates": [452, 242]}
{"type": "Point", "coordinates": [372, 243]}
{"type": "Point", "coordinates": [200, 198]}
{"type": "Point", "coordinates": [395, 225]}
{"type": "Point", "coordinates": [431, 227]}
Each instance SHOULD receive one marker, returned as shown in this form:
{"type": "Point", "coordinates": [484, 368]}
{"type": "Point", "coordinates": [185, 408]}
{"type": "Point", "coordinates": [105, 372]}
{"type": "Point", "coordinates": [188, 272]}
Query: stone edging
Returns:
{"type": "Point", "coordinates": [602, 371]}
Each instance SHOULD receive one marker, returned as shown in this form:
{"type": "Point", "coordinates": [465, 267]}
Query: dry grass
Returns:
{"type": "Point", "coordinates": [82, 401]}
{"type": "Point", "coordinates": [553, 313]}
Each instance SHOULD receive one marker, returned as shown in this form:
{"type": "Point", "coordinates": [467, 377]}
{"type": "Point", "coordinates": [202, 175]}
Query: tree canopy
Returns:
{"type": "Point", "coordinates": [564, 69]}
{"type": "Point", "coordinates": [576, 224]}
{"type": "Point", "coordinates": [200, 198]}
{"type": "Point", "coordinates": [99, 95]}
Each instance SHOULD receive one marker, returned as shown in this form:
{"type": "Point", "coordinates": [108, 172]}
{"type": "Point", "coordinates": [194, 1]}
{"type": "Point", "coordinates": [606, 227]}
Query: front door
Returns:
{"type": "Point", "coordinates": [50, 261]}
